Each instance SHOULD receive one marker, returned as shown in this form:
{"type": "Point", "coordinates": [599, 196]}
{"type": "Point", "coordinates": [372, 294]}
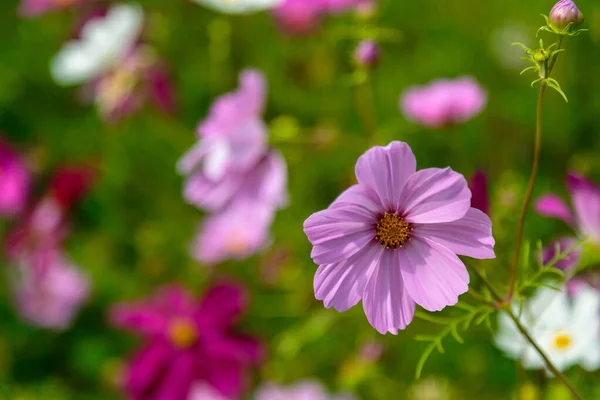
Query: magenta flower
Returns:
{"type": "Point", "coordinates": [367, 53]}
{"type": "Point", "coordinates": [305, 390]}
{"type": "Point", "coordinates": [479, 188]}
{"type": "Point", "coordinates": [187, 342]}
{"type": "Point", "coordinates": [585, 197]}
{"type": "Point", "coordinates": [49, 288]}
{"type": "Point", "coordinates": [232, 139]}
{"type": "Point", "coordinates": [237, 232]}
{"type": "Point", "coordinates": [443, 102]}
{"type": "Point", "coordinates": [392, 240]}
{"type": "Point", "coordinates": [14, 182]}
{"type": "Point", "coordinates": [31, 8]}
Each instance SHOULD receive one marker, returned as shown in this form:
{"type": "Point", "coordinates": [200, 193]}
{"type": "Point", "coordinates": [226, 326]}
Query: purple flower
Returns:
{"type": "Point", "coordinates": [367, 53]}
{"type": "Point", "coordinates": [14, 182]}
{"type": "Point", "coordinates": [305, 390]}
{"type": "Point", "coordinates": [585, 197]}
{"type": "Point", "coordinates": [237, 232]}
{"type": "Point", "coordinates": [187, 342]}
{"type": "Point", "coordinates": [479, 188]}
{"type": "Point", "coordinates": [443, 102]}
{"type": "Point", "coordinates": [232, 139]}
{"type": "Point", "coordinates": [301, 17]}
{"type": "Point", "coordinates": [392, 240]}
{"type": "Point", "coordinates": [49, 288]}
{"type": "Point", "coordinates": [31, 8]}
{"type": "Point", "coordinates": [563, 14]}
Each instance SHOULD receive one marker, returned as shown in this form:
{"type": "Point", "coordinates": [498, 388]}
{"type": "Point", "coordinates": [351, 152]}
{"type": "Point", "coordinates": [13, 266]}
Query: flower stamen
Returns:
{"type": "Point", "coordinates": [392, 231]}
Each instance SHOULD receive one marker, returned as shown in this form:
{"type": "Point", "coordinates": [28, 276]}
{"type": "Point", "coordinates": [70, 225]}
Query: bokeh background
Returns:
{"type": "Point", "coordinates": [132, 232]}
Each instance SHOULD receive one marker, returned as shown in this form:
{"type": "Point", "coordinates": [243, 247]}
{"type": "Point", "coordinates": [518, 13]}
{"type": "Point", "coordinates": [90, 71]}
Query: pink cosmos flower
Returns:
{"type": "Point", "coordinates": [31, 8]}
{"type": "Point", "coordinates": [237, 232]}
{"type": "Point", "coordinates": [305, 390]}
{"type": "Point", "coordinates": [14, 182]}
{"type": "Point", "coordinates": [232, 139]}
{"type": "Point", "coordinates": [49, 288]}
{"type": "Point", "coordinates": [301, 17]}
{"type": "Point", "coordinates": [585, 196]}
{"type": "Point", "coordinates": [443, 102]}
{"type": "Point", "coordinates": [392, 240]}
{"type": "Point", "coordinates": [479, 188]}
{"type": "Point", "coordinates": [187, 342]}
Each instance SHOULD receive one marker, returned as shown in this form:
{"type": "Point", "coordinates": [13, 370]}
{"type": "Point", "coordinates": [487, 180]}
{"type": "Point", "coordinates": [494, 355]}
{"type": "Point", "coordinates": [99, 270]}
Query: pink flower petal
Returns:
{"type": "Point", "coordinates": [178, 378]}
{"type": "Point", "coordinates": [386, 302]}
{"type": "Point", "coordinates": [385, 170]}
{"type": "Point", "coordinates": [341, 285]}
{"type": "Point", "coordinates": [586, 201]}
{"type": "Point", "coordinates": [361, 196]}
{"type": "Point", "coordinates": [146, 367]}
{"type": "Point", "coordinates": [221, 307]}
{"type": "Point", "coordinates": [339, 249]}
{"type": "Point", "coordinates": [469, 236]}
{"type": "Point", "coordinates": [227, 377]}
{"type": "Point", "coordinates": [435, 195]}
{"type": "Point", "coordinates": [433, 275]}
{"type": "Point", "coordinates": [551, 205]}
{"type": "Point", "coordinates": [138, 318]}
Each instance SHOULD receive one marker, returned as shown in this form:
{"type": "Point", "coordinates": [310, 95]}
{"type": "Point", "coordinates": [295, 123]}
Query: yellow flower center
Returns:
{"type": "Point", "coordinates": [562, 341]}
{"type": "Point", "coordinates": [392, 231]}
{"type": "Point", "coordinates": [183, 332]}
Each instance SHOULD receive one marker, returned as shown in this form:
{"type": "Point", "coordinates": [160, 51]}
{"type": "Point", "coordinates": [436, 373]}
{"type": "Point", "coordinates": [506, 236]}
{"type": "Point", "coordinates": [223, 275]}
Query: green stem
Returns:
{"type": "Point", "coordinates": [506, 308]}
{"type": "Point", "coordinates": [366, 109]}
{"type": "Point", "coordinates": [532, 177]}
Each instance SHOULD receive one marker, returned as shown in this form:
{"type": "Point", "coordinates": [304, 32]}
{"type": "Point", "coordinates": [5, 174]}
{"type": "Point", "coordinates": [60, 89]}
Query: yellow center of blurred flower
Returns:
{"type": "Point", "coordinates": [392, 231]}
{"type": "Point", "coordinates": [237, 246]}
{"type": "Point", "coordinates": [64, 3]}
{"type": "Point", "coordinates": [183, 332]}
{"type": "Point", "coordinates": [562, 341]}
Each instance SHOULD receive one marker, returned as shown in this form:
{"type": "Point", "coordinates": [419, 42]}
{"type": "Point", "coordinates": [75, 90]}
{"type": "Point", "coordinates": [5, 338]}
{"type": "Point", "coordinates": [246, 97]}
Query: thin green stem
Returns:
{"type": "Point", "coordinates": [532, 177]}
{"type": "Point", "coordinates": [506, 308]}
{"type": "Point", "coordinates": [366, 109]}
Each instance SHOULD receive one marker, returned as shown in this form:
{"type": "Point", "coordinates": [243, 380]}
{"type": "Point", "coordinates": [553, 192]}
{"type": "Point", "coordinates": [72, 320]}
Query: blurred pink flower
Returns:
{"type": "Point", "coordinates": [202, 391]}
{"type": "Point", "coordinates": [233, 137]}
{"type": "Point", "coordinates": [301, 17]}
{"type": "Point", "coordinates": [479, 188]}
{"type": "Point", "coordinates": [443, 102]}
{"type": "Point", "coordinates": [30, 8]}
{"type": "Point", "coordinates": [304, 390]}
{"type": "Point", "coordinates": [14, 182]}
{"type": "Point", "coordinates": [187, 342]}
{"type": "Point", "coordinates": [237, 232]}
{"type": "Point", "coordinates": [392, 240]}
{"type": "Point", "coordinates": [585, 197]}
{"type": "Point", "coordinates": [49, 288]}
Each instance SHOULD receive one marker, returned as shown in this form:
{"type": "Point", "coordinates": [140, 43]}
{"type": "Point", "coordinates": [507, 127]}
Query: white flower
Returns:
{"type": "Point", "coordinates": [566, 329]}
{"type": "Point", "coordinates": [103, 43]}
{"type": "Point", "coordinates": [239, 6]}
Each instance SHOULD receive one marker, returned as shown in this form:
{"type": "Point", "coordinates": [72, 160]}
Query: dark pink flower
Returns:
{"type": "Point", "coordinates": [14, 182]}
{"type": "Point", "coordinates": [392, 240]}
{"type": "Point", "coordinates": [301, 17]}
{"type": "Point", "coordinates": [187, 342]}
{"type": "Point", "coordinates": [443, 102]}
{"type": "Point", "coordinates": [30, 8]}
{"type": "Point", "coordinates": [479, 189]}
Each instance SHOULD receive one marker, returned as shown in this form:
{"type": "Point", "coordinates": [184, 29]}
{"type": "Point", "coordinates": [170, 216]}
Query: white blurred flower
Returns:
{"type": "Point", "coordinates": [239, 6]}
{"type": "Point", "coordinates": [567, 330]}
{"type": "Point", "coordinates": [103, 43]}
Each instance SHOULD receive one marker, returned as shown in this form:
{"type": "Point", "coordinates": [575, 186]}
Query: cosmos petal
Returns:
{"type": "Point", "coordinates": [551, 205]}
{"type": "Point", "coordinates": [386, 302]}
{"type": "Point", "coordinates": [433, 275]}
{"type": "Point", "coordinates": [469, 236]}
{"type": "Point", "coordinates": [586, 201]}
{"type": "Point", "coordinates": [435, 195]}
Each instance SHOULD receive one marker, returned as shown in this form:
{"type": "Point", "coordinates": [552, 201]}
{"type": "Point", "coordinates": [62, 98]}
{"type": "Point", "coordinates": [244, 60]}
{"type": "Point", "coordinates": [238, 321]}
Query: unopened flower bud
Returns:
{"type": "Point", "coordinates": [367, 53]}
{"type": "Point", "coordinates": [563, 13]}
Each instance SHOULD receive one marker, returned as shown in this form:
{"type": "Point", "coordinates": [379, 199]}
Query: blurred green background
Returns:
{"type": "Point", "coordinates": [132, 233]}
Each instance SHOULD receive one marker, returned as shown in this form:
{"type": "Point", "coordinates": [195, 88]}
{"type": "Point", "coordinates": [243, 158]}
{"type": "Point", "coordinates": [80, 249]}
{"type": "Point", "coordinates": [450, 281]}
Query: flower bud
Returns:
{"type": "Point", "coordinates": [367, 53]}
{"type": "Point", "coordinates": [563, 13]}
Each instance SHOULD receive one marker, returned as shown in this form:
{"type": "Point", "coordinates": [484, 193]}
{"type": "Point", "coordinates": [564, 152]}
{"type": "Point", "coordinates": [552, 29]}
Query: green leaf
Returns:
{"type": "Point", "coordinates": [423, 359]}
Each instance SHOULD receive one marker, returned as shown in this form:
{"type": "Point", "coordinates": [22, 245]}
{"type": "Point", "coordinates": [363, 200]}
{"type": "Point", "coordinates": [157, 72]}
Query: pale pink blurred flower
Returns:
{"type": "Point", "coordinates": [202, 391]}
{"type": "Point", "coordinates": [14, 182]}
{"type": "Point", "coordinates": [31, 8]}
{"type": "Point", "coordinates": [304, 390]}
{"type": "Point", "coordinates": [49, 288]}
{"type": "Point", "coordinates": [392, 240]}
{"type": "Point", "coordinates": [301, 17]}
{"type": "Point", "coordinates": [443, 102]}
{"type": "Point", "coordinates": [367, 53]}
{"type": "Point", "coordinates": [232, 138]}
